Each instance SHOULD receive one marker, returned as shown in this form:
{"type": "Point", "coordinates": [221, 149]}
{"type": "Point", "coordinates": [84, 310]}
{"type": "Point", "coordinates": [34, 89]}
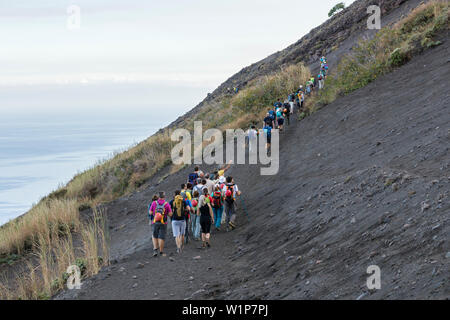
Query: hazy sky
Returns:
{"type": "Point", "coordinates": [138, 54]}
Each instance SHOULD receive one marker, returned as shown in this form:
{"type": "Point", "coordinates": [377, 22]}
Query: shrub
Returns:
{"type": "Point", "coordinates": [338, 7]}
{"type": "Point", "coordinates": [398, 57]}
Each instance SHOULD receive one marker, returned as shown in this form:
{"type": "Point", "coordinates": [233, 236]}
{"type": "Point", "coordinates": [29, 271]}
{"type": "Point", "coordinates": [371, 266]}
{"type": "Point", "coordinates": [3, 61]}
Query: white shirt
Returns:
{"type": "Point", "coordinates": [235, 189]}
{"type": "Point", "coordinates": [251, 133]}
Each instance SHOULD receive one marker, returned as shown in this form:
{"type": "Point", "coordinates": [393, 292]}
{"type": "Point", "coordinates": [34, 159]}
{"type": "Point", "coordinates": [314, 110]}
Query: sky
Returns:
{"type": "Point", "coordinates": [122, 55]}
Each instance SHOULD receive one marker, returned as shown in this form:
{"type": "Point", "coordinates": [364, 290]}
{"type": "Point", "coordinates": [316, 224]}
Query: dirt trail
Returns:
{"type": "Point", "coordinates": [364, 181]}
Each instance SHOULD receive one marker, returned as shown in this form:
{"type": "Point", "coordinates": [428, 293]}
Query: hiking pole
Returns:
{"type": "Point", "coordinates": [244, 207]}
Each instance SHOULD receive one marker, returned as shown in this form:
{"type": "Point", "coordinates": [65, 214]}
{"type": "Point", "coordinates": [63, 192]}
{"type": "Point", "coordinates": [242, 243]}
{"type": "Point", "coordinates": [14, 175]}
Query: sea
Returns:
{"type": "Point", "coordinates": [40, 153]}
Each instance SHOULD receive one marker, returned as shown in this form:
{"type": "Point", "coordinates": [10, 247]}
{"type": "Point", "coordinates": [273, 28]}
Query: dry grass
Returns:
{"type": "Point", "coordinates": [54, 253]}
{"type": "Point", "coordinates": [43, 220]}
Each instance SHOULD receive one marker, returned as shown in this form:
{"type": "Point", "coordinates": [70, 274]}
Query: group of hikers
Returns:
{"type": "Point", "coordinates": [206, 201]}
{"type": "Point", "coordinates": [280, 113]}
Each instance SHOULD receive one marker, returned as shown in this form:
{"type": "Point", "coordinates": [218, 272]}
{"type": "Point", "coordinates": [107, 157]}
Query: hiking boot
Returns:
{"type": "Point", "coordinates": [208, 245]}
{"type": "Point", "coordinates": [155, 252]}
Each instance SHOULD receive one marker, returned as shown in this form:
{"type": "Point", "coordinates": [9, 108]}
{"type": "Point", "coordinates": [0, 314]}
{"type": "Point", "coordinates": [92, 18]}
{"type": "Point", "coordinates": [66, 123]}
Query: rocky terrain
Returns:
{"type": "Point", "coordinates": [364, 181]}
{"type": "Point", "coordinates": [333, 38]}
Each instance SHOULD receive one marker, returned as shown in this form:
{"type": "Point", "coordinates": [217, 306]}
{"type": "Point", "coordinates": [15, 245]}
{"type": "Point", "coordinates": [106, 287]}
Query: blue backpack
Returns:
{"type": "Point", "coordinates": [193, 178]}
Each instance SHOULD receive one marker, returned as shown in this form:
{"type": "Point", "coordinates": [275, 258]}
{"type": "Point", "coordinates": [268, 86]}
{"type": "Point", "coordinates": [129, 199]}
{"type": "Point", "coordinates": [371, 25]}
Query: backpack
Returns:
{"type": "Point", "coordinates": [229, 194]}
{"type": "Point", "coordinates": [160, 211]}
{"type": "Point", "coordinates": [279, 114]}
{"type": "Point", "coordinates": [179, 207]}
{"type": "Point", "coordinates": [194, 203]}
{"type": "Point", "coordinates": [193, 178]}
{"type": "Point", "coordinates": [217, 200]}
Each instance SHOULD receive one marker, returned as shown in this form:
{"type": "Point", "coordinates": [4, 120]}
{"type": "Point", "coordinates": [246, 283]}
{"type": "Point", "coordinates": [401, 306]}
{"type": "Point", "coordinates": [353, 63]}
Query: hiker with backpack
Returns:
{"type": "Point", "coordinates": [217, 206]}
{"type": "Point", "coordinates": [230, 191]}
{"type": "Point", "coordinates": [192, 178]}
{"type": "Point", "coordinates": [195, 218]}
{"type": "Point", "coordinates": [269, 120]}
{"type": "Point", "coordinates": [159, 212]}
{"type": "Point", "coordinates": [205, 212]}
{"type": "Point", "coordinates": [267, 130]}
{"type": "Point", "coordinates": [280, 118]}
{"type": "Point", "coordinates": [287, 111]}
{"type": "Point", "coordinates": [199, 186]}
{"type": "Point", "coordinates": [210, 183]}
{"type": "Point", "coordinates": [180, 208]}
{"type": "Point", "coordinates": [320, 79]}
{"type": "Point", "coordinates": [186, 193]}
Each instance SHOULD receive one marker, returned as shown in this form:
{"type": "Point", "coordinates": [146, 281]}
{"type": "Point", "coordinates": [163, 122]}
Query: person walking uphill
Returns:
{"type": "Point", "coordinates": [217, 206]}
{"type": "Point", "coordinates": [231, 191]}
{"type": "Point", "coordinates": [159, 211]}
{"type": "Point", "coordinates": [195, 219]}
{"type": "Point", "coordinates": [180, 208]}
{"type": "Point", "coordinates": [206, 218]}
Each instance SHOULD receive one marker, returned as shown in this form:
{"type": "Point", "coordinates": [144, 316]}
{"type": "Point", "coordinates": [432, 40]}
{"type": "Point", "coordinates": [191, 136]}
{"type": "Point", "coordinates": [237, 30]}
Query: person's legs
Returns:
{"type": "Point", "coordinates": [161, 237]}
{"type": "Point", "coordinates": [218, 220]}
{"type": "Point", "coordinates": [197, 227]}
{"type": "Point", "coordinates": [154, 240]}
{"type": "Point", "coordinates": [233, 216]}
{"type": "Point", "coordinates": [226, 209]}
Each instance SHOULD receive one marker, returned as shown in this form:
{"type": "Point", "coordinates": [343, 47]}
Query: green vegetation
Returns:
{"type": "Point", "coordinates": [390, 48]}
{"type": "Point", "coordinates": [48, 229]}
{"type": "Point", "coordinates": [340, 6]}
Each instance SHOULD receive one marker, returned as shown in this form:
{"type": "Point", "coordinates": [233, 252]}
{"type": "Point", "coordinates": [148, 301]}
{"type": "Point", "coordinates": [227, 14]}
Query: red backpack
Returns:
{"type": "Point", "coordinates": [217, 200]}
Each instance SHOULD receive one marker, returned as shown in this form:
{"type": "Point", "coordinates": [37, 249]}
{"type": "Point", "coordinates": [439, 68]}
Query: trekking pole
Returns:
{"type": "Point", "coordinates": [244, 207]}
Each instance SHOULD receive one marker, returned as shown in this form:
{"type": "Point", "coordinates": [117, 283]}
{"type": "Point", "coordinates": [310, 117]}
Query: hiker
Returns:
{"type": "Point", "coordinates": [320, 79]}
{"type": "Point", "coordinates": [205, 212]}
{"type": "Point", "coordinates": [221, 171]}
{"type": "Point", "coordinates": [268, 134]}
{"type": "Point", "coordinates": [217, 207]}
{"type": "Point", "coordinates": [186, 193]}
{"type": "Point", "coordinates": [195, 219]}
{"type": "Point", "coordinates": [180, 207]}
{"type": "Point", "coordinates": [252, 136]}
{"type": "Point", "coordinates": [194, 176]}
{"type": "Point", "coordinates": [287, 111]}
{"type": "Point", "coordinates": [302, 99]}
{"type": "Point", "coordinates": [280, 118]}
{"type": "Point", "coordinates": [277, 104]}
{"type": "Point", "coordinates": [199, 186]}
{"type": "Point", "coordinates": [230, 191]}
{"type": "Point", "coordinates": [291, 99]}
{"type": "Point", "coordinates": [268, 120]}
{"type": "Point", "coordinates": [210, 183]}
{"type": "Point", "coordinates": [159, 211]}
{"type": "Point", "coordinates": [308, 88]}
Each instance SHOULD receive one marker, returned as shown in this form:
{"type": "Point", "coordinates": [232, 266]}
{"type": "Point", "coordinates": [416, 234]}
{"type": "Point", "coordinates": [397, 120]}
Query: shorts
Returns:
{"type": "Point", "coordinates": [280, 121]}
{"type": "Point", "coordinates": [205, 223]}
{"type": "Point", "coordinates": [178, 227]}
{"type": "Point", "coordinates": [159, 230]}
